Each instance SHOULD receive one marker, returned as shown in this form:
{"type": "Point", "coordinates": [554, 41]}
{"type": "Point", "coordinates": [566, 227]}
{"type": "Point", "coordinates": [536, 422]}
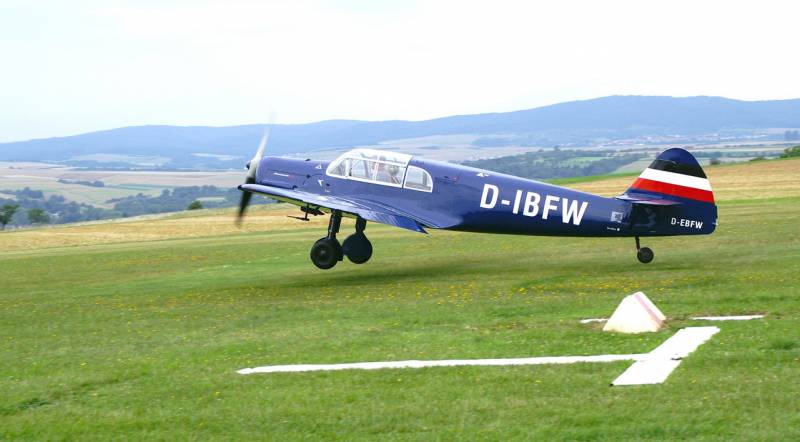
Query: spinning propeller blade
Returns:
{"type": "Point", "coordinates": [252, 168]}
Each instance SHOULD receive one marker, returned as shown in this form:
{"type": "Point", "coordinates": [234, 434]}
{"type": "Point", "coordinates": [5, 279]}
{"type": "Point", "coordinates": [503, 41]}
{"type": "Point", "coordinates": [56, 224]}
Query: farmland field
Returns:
{"type": "Point", "coordinates": [135, 329]}
{"type": "Point", "coordinates": [118, 184]}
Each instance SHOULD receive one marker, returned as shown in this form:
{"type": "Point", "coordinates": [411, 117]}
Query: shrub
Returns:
{"type": "Point", "coordinates": [792, 152]}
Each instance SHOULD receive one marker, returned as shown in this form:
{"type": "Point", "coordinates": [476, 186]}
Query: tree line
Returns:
{"type": "Point", "coordinates": [29, 206]}
{"type": "Point", "coordinates": [791, 152]}
{"type": "Point", "coordinates": [556, 163]}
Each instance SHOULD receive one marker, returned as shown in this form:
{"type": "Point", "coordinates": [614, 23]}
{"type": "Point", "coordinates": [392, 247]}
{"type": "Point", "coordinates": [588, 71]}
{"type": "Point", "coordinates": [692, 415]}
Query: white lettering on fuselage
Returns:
{"type": "Point", "coordinates": [485, 202]}
{"type": "Point", "coordinates": [687, 223]}
{"type": "Point", "coordinates": [571, 210]}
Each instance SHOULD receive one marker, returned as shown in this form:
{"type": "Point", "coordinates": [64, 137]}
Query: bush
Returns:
{"type": "Point", "coordinates": [194, 205]}
{"type": "Point", "coordinates": [38, 216]}
{"type": "Point", "coordinates": [792, 152]}
{"type": "Point", "coordinates": [7, 214]}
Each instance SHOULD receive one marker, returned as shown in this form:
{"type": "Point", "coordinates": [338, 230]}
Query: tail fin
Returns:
{"type": "Point", "coordinates": [672, 197]}
{"type": "Point", "coordinates": [675, 175]}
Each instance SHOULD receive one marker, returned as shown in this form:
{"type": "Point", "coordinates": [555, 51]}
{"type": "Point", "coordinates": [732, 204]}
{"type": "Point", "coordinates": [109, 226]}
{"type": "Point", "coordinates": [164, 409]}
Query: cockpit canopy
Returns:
{"type": "Point", "coordinates": [380, 167]}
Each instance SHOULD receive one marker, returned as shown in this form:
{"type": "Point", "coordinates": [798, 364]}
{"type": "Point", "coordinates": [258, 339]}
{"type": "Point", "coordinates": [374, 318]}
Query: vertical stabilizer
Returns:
{"type": "Point", "coordinates": [674, 175]}
{"type": "Point", "coordinates": [672, 197]}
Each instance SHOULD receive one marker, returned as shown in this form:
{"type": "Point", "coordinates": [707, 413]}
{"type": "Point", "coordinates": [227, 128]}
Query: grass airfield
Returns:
{"type": "Point", "coordinates": [135, 329]}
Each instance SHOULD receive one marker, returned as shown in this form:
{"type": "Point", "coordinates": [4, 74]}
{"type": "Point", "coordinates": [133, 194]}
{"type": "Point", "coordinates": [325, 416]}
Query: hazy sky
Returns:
{"type": "Point", "coordinates": [76, 66]}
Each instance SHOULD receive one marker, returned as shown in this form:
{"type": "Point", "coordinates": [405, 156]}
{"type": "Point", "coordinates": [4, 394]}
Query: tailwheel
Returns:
{"type": "Point", "coordinates": [357, 248]}
{"type": "Point", "coordinates": [643, 254]}
{"type": "Point", "coordinates": [326, 252]}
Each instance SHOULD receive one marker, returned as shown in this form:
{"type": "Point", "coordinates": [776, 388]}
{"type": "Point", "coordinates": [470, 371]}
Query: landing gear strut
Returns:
{"type": "Point", "coordinates": [357, 247]}
{"type": "Point", "coordinates": [327, 251]}
{"type": "Point", "coordinates": [644, 254]}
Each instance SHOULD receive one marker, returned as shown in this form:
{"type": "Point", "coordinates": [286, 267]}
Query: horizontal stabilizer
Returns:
{"type": "Point", "coordinates": [646, 199]}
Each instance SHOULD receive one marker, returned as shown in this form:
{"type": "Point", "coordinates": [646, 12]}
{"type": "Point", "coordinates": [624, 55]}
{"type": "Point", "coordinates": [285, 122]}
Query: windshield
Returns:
{"type": "Point", "coordinates": [371, 165]}
{"type": "Point", "coordinates": [380, 167]}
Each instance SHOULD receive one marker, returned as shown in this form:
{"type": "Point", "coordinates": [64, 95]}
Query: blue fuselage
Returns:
{"type": "Point", "coordinates": [468, 199]}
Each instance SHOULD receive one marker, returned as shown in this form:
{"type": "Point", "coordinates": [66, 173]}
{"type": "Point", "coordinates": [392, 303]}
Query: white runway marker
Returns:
{"type": "Point", "coordinates": [441, 363]}
{"type": "Point", "coordinates": [696, 318]}
{"type": "Point", "coordinates": [728, 318]}
{"type": "Point", "coordinates": [666, 357]}
{"type": "Point", "coordinates": [648, 368]}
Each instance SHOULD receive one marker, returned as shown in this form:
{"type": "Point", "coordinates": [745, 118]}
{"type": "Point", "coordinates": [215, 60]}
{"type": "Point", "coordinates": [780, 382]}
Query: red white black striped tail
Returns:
{"type": "Point", "coordinates": [675, 174]}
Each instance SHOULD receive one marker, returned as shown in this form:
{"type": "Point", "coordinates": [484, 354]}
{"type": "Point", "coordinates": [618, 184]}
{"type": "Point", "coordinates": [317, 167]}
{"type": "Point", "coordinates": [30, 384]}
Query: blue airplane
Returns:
{"type": "Point", "coordinates": [671, 197]}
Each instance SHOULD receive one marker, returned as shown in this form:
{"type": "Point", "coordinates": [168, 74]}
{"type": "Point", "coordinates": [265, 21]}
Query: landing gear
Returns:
{"type": "Point", "coordinates": [327, 251]}
{"type": "Point", "coordinates": [357, 247]}
{"type": "Point", "coordinates": [644, 254]}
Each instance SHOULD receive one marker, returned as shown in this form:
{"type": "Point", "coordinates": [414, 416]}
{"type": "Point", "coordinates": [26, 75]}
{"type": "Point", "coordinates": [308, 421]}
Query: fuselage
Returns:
{"type": "Point", "coordinates": [468, 199]}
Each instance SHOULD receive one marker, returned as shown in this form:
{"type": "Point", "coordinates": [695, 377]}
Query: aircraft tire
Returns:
{"type": "Point", "coordinates": [357, 248]}
{"type": "Point", "coordinates": [645, 255]}
{"type": "Point", "coordinates": [325, 253]}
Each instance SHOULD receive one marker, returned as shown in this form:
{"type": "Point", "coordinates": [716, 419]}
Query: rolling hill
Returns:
{"type": "Point", "coordinates": [577, 122]}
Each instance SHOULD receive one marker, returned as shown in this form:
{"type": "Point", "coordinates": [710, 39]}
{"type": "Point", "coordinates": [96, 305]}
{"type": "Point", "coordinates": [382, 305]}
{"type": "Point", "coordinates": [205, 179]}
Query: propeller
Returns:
{"type": "Point", "coordinates": [252, 169]}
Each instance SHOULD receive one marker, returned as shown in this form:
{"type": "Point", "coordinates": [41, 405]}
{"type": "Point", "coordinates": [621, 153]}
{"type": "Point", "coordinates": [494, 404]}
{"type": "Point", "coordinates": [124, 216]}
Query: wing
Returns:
{"type": "Point", "coordinates": [369, 210]}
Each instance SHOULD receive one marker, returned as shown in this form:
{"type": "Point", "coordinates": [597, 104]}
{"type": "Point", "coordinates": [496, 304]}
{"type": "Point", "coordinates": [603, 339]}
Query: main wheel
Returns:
{"type": "Point", "coordinates": [357, 248]}
{"type": "Point", "coordinates": [645, 255]}
{"type": "Point", "coordinates": [325, 253]}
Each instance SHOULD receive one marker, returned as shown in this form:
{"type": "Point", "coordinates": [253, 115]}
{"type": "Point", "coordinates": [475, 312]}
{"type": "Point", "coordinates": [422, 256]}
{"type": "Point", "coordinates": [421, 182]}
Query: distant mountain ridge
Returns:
{"type": "Point", "coordinates": [610, 117]}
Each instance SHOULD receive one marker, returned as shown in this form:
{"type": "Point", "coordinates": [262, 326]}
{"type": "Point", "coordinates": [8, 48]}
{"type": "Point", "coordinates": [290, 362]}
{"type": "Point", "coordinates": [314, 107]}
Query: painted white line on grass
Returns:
{"type": "Point", "coordinates": [651, 371]}
{"type": "Point", "coordinates": [696, 318]}
{"type": "Point", "coordinates": [441, 363]}
{"type": "Point", "coordinates": [684, 342]}
{"type": "Point", "coordinates": [648, 368]}
{"type": "Point", "coordinates": [666, 357]}
{"type": "Point", "coordinates": [728, 318]}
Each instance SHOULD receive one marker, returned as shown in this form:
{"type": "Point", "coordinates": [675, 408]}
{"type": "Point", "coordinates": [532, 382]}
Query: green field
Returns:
{"type": "Point", "coordinates": [122, 338]}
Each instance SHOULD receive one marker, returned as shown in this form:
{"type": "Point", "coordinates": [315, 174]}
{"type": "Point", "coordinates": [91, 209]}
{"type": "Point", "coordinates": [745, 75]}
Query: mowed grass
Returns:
{"type": "Point", "coordinates": [140, 337]}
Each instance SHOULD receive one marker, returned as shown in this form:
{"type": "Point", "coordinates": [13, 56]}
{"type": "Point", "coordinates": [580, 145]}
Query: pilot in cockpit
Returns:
{"type": "Point", "coordinates": [388, 173]}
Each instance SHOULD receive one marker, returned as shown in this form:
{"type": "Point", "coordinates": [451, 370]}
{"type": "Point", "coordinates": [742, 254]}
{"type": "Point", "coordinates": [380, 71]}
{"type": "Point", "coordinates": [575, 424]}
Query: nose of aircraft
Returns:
{"type": "Point", "coordinates": [286, 172]}
{"type": "Point", "coordinates": [250, 178]}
